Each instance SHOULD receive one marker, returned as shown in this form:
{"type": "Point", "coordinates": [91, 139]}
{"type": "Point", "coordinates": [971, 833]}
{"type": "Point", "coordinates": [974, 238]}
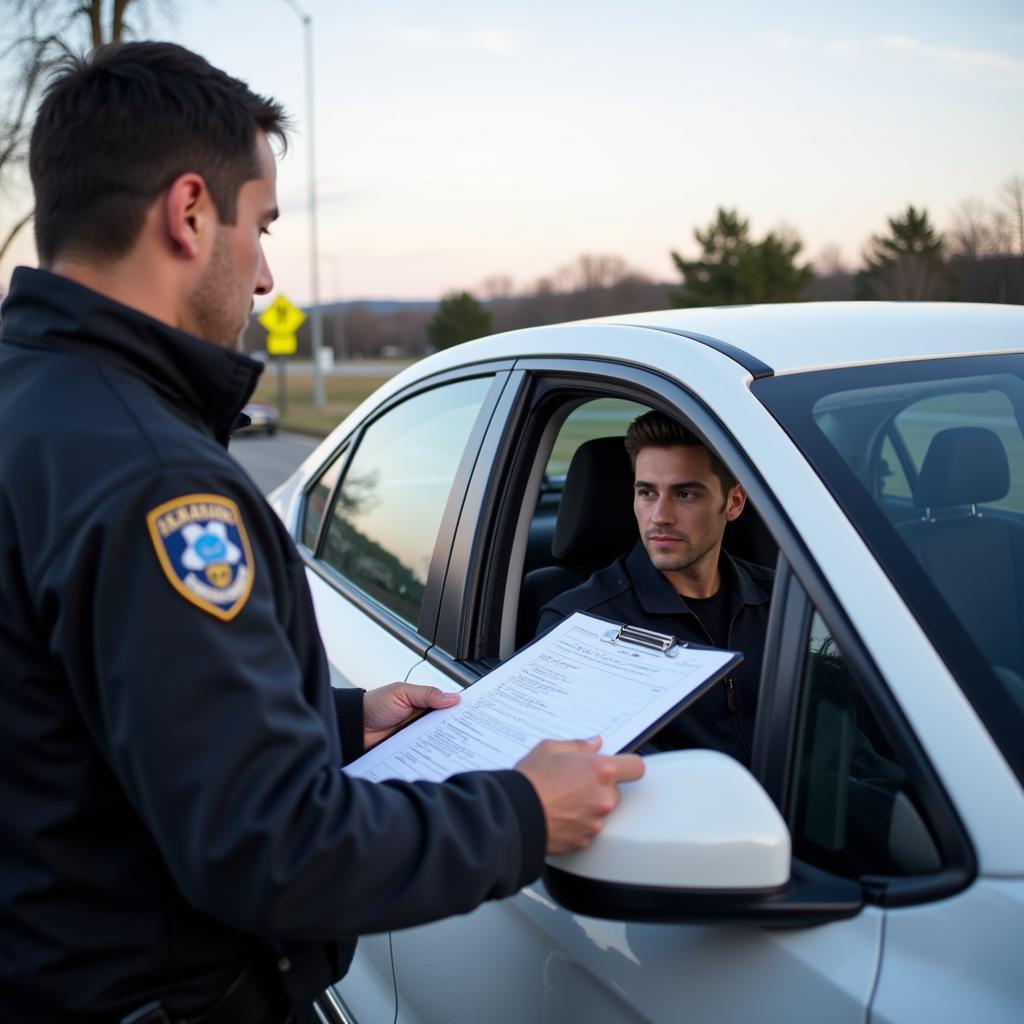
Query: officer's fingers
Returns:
{"type": "Point", "coordinates": [429, 696]}
{"type": "Point", "coordinates": [625, 767]}
{"type": "Point", "coordinates": [588, 746]}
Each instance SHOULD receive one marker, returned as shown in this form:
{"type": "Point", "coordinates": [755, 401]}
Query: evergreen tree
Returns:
{"type": "Point", "coordinates": [733, 268]}
{"type": "Point", "coordinates": [459, 318]}
{"type": "Point", "coordinates": [908, 262]}
{"type": "Point", "coordinates": [775, 275]}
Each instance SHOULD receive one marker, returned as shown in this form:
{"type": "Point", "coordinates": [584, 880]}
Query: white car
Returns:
{"type": "Point", "coordinates": [882, 447]}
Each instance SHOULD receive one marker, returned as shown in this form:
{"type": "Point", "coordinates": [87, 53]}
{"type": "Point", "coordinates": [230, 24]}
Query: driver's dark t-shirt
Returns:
{"type": "Point", "coordinates": [714, 613]}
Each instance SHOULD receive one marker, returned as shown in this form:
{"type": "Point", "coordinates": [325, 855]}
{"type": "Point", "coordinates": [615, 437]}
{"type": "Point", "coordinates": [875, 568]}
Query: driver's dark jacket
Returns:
{"type": "Point", "coordinates": [171, 800]}
{"type": "Point", "coordinates": [631, 590]}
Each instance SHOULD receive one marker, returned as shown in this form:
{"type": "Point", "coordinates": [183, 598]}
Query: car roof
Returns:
{"type": "Point", "coordinates": [782, 337]}
{"type": "Point", "coordinates": [771, 339]}
{"type": "Point", "coordinates": [795, 337]}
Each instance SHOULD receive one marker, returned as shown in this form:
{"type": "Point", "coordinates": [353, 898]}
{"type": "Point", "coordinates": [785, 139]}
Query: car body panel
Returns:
{"type": "Point", "coordinates": [368, 992]}
{"type": "Point", "coordinates": [587, 969]}
{"type": "Point", "coordinates": [353, 660]}
{"type": "Point", "coordinates": [956, 960]}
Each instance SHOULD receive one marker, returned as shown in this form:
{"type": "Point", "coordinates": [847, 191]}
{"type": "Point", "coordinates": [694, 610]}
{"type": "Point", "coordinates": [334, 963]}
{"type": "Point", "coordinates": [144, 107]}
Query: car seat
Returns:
{"type": "Point", "coordinates": [594, 526]}
{"type": "Point", "coordinates": [974, 559]}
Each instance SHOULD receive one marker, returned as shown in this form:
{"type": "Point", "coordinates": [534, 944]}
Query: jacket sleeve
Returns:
{"type": "Point", "coordinates": [224, 753]}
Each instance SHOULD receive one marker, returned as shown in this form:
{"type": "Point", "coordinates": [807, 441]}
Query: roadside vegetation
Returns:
{"type": "Point", "coordinates": [341, 395]}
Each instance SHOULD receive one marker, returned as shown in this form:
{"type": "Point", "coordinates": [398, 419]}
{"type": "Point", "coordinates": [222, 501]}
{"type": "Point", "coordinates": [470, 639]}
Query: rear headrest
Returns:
{"type": "Point", "coordinates": [595, 521]}
{"type": "Point", "coordinates": [964, 465]}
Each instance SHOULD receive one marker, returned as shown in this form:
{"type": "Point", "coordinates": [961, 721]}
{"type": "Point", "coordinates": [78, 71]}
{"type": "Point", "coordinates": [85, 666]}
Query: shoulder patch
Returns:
{"type": "Point", "coordinates": [204, 551]}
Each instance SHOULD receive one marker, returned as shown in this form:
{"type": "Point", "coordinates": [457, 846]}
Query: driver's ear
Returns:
{"type": "Point", "coordinates": [735, 503]}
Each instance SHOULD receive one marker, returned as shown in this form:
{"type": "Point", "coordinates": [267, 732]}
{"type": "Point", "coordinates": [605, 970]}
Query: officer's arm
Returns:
{"type": "Point", "coordinates": [214, 726]}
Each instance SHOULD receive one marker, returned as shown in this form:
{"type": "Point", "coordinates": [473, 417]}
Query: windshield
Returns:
{"type": "Point", "coordinates": [927, 459]}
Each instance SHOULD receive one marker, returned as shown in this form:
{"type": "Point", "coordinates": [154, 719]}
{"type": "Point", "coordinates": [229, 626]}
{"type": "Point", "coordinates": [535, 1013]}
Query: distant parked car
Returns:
{"type": "Point", "coordinates": [263, 418]}
{"type": "Point", "coordinates": [882, 448]}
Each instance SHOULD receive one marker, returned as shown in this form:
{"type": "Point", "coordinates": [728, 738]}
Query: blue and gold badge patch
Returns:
{"type": "Point", "coordinates": [204, 551]}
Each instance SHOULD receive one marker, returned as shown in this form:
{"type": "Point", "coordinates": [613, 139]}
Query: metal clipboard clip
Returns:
{"type": "Point", "coordinates": [665, 643]}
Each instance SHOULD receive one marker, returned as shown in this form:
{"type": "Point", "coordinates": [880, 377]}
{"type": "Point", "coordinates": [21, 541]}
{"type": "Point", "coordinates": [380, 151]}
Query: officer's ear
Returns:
{"type": "Point", "coordinates": [189, 215]}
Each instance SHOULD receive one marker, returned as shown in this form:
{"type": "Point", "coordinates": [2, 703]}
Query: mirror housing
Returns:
{"type": "Point", "coordinates": [696, 839]}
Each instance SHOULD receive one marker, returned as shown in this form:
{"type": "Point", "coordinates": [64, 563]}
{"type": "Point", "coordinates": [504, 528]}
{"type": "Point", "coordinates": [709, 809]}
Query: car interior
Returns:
{"type": "Point", "coordinates": [583, 520]}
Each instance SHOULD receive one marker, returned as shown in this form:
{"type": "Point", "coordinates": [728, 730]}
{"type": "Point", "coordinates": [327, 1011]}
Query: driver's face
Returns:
{"type": "Point", "coordinates": [680, 507]}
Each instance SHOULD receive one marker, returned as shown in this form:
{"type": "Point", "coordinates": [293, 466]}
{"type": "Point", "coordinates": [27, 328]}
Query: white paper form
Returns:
{"type": "Point", "coordinates": [572, 683]}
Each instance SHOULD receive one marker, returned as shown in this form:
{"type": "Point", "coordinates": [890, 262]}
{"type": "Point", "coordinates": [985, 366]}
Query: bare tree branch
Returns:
{"type": "Point", "coordinates": [1012, 194]}
{"type": "Point", "coordinates": [6, 244]}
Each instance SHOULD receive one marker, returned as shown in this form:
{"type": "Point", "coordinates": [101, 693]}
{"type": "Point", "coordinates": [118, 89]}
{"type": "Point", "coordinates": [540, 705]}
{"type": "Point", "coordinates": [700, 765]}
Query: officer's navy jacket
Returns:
{"type": "Point", "coordinates": [171, 800]}
{"type": "Point", "coordinates": [633, 591]}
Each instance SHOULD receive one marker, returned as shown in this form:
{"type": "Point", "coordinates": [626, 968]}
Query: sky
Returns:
{"type": "Point", "coordinates": [456, 141]}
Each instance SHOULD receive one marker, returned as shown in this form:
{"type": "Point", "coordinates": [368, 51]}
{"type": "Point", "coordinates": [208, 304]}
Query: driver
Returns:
{"type": "Point", "coordinates": [678, 580]}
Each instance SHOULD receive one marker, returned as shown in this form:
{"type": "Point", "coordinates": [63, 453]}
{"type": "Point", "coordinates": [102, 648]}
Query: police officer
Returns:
{"type": "Point", "coordinates": [177, 841]}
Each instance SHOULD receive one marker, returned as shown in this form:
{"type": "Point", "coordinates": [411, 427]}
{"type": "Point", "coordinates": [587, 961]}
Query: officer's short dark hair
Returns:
{"type": "Point", "coordinates": [656, 430]}
{"type": "Point", "coordinates": [117, 127]}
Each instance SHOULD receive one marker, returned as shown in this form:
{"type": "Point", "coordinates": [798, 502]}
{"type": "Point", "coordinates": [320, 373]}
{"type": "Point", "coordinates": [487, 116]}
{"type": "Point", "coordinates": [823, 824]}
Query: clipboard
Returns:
{"type": "Point", "coordinates": [586, 676]}
{"type": "Point", "coordinates": [670, 647]}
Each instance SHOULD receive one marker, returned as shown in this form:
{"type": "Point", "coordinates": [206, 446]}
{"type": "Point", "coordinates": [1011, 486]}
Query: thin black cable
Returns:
{"type": "Point", "coordinates": [394, 976]}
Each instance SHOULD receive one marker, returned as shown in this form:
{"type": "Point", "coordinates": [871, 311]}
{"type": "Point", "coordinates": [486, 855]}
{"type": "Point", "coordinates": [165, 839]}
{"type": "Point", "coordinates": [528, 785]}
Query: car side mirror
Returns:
{"type": "Point", "coordinates": [697, 838]}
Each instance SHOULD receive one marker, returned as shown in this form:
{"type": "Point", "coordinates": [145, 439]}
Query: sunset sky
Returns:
{"type": "Point", "coordinates": [460, 140]}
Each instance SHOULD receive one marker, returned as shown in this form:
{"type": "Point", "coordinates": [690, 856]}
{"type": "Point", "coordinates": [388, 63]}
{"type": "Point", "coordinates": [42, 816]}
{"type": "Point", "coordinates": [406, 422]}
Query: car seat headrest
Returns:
{"type": "Point", "coordinates": [963, 466]}
{"type": "Point", "coordinates": [595, 521]}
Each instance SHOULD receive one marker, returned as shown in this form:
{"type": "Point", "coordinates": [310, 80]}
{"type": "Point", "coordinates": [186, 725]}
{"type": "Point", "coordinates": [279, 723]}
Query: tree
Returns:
{"type": "Point", "coordinates": [906, 263]}
{"type": "Point", "coordinates": [459, 318]}
{"type": "Point", "coordinates": [1012, 195]}
{"type": "Point", "coordinates": [733, 268]}
{"type": "Point", "coordinates": [43, 32]}
{"type": "Point", "coordinates": [971, 236]}
{"type": "Point", "coordinates": [830, 261]}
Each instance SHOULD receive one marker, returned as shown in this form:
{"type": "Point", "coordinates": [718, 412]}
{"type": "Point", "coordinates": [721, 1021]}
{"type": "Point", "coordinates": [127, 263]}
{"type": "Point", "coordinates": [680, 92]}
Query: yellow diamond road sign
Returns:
{"type": "Point", "coordinates": [282, 319]}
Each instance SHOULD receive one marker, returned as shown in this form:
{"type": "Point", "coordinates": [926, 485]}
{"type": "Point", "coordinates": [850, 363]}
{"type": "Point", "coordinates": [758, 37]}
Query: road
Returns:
{"type": "Point", "coordinates": [346, 367]}
{"type": "Point", "coordinates": [270, 460]}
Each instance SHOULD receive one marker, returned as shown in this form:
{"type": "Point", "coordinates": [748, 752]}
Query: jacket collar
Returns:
{"type": "Point", "coordinates": [208, 383]}
{"type": "Point", "coordinates": [657, 596]}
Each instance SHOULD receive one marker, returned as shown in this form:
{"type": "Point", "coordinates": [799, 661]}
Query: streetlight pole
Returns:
{"type": "Point", "coordinates": [316, 318]}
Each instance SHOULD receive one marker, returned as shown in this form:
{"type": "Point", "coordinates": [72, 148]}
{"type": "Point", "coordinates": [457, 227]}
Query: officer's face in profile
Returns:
{"type": "Point", "coordinates": [680, 506]}
{"type": "Point", "coordinates": [237, 269]}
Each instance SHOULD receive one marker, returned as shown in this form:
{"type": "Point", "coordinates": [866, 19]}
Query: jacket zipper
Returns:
{"type": "Point", "coordinates": [730, 698]}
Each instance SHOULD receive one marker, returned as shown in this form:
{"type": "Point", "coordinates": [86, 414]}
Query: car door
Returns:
{"type": "Point", "coordinates": [375, 530]}
{"type": "Point", "coordinates": [527, 959]}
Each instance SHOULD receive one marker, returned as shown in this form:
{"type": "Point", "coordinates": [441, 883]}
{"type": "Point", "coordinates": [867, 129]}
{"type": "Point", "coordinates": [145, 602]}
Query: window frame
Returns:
{"type": "Point", "coordinates": [418, 635]}
{"type": "Point", "coordinates": [776, 726]}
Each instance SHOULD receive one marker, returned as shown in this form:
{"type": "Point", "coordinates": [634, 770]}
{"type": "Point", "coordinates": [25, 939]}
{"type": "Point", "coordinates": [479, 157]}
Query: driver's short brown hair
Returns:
{"type": "Point", "coordinates": [656, 430]}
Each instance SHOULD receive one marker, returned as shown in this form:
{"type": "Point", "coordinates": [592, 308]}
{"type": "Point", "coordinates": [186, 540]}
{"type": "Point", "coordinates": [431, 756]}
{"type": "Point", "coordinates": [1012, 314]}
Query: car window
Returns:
{"type": "Point", "coordinates": [316, 502]}
{"type": "Point", "coordinates": [389, 505]}
{"type": "Point", "coordinates": [603, 417]}
{"type": "Point", "coordinates": [852, 809]}
{"type": "Point", "coordinates": [950, 532]}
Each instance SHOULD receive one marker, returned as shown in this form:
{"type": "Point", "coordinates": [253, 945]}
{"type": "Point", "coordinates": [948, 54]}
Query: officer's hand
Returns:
{"type": "Point", "coordinates": [578, 787]}
{"type": "Point", "coordinates": [388, 707]}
